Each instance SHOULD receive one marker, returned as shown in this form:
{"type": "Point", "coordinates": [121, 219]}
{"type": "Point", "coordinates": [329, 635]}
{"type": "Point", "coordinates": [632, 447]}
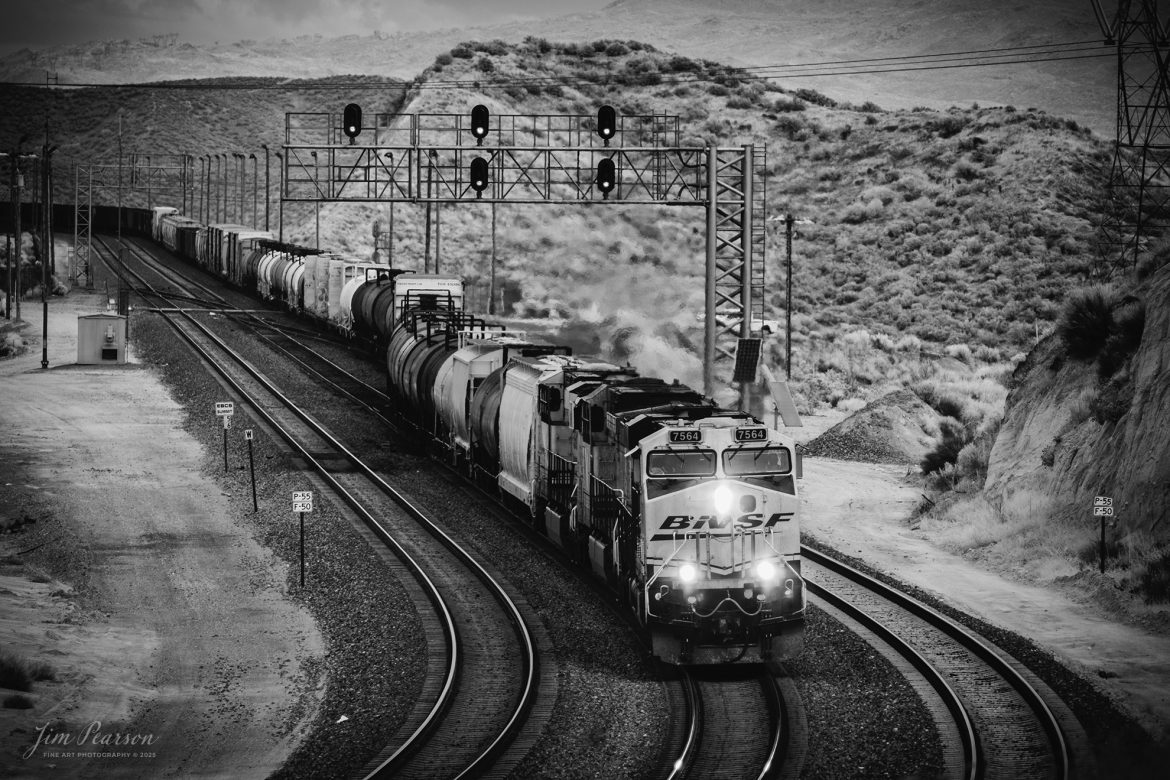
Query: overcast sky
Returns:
{"type": "Point", "coordinates": [39, 23]}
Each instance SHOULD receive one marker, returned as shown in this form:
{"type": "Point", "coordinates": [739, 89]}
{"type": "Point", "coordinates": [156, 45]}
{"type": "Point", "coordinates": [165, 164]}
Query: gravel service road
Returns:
{"type": "Point", "coordinates": [171, 621]}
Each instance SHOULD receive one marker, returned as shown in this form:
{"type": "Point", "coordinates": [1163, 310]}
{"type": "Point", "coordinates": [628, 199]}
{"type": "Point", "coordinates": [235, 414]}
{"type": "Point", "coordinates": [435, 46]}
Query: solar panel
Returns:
{"type": "Point", "coordinates": [747, 357]}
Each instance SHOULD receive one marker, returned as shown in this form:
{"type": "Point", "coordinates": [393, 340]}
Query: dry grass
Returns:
{"type": "Point", "coordinates": [1019, 534]}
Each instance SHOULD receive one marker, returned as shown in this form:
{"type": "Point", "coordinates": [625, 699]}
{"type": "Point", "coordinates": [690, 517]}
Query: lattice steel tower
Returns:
{"type": "Point", "coordinates": [1138, 199]}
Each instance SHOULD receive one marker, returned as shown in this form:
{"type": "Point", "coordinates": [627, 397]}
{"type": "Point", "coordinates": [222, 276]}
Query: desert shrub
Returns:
{"type": "Point", "coordinates": [616, 49]}
{"type": "Point", "coordinates": [1154, 583]}
{"type": "Point", "coordinates": [1048, 455]}
{"type": "Point", "coordinates": [516, 93]}
{"type": "Point", "coordinates": [14, 672]}
{"type": "Point", "coordinates": [784, 104]}
{"type": "Point", "coordinates": [1089, 553]}
{"type": "Point", "coordinates": [986, 354]}
{"type": "Point", "coordinates": [444, 59]}
{"type": "Point", "coordinates": [1125, 336]}
{"type": "Point", "coordinates": [816, 98]}
{"type": "Point", "coordinates": [947, 126]}
{"type": "Point", "coordinates": [789, 126]}
{"type": "Point", "coordinates": [966, 171]}
{"type": "Point", "coordinates": [1081, 408]}
{"type": "Point", "coordinates": [740, 102]}
{"type": "Point", "coordinates": [485, 64]}
{"type": "Point", "coordinates": [1086, 320]}
{"type": "Point", "coordinates": [1113, 401]}
{"type": "Point", "coordinates": [856, 213]}
{"type": "Point", "coordinates": [960, 352]}
{"type": "Point", "coordinates": [972, 460]}
{"type": "Point", "coordinates": [949, 405]}
{"type": "Point", "coordinates": [946, 452]}
{"type": "Point", "coordinates": [462, 52]}
{"type": "Point", "coordinates": [718, 90]}
{"type": "Point", "coordinates": [680, 64]}
{"type": "Point", "coordinates": [909, 344]}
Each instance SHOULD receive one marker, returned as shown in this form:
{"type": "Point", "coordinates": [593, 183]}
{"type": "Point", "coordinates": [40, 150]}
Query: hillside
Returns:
{"type": "Point", "coordinates": [930, 229]}
{"type": "Point", "coordinates": [960, 228]}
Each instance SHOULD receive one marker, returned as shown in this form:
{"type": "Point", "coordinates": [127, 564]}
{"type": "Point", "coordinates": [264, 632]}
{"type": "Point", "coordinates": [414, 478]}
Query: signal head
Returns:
{"type": "Point", "coordinates": [479, 176]}
{"type": "Point", "coordinates": [606, 176]}
{"type": "Point", "coordinates": [352, 121]}
{"type": "Point", "coordinates": [606, 123]}
{"type": "Point", "coordinates": [480, 121]}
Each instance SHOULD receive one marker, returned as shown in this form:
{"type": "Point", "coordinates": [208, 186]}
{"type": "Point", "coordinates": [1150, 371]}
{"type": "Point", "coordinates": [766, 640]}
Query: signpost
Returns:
{"type": "Point", "coordinates": [251, 467]}
{"type": "Point", "coordinates": [302, 502]}
{"type": "Point", "coordinates": [225, 409]}
{"type": "Point", "coordinates": [1102, 508]}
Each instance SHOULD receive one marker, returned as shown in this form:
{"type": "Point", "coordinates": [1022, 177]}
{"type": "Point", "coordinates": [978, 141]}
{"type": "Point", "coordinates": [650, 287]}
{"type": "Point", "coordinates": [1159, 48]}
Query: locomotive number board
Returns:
{"type": "Point", "coordinates": [754, 433]}
{"type": "Point", "coordinates": [686, 436]}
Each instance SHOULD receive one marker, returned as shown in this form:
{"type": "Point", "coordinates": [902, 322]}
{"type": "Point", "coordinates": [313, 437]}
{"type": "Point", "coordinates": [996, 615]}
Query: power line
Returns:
{"type": "Point", "coordinates": [1015, 55]}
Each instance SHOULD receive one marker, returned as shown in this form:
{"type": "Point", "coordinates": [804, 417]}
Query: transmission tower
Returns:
{"type": "Point", "coordinates": [1138, 197]}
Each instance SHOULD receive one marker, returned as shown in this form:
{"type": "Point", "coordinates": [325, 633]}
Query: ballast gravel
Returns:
{"type": "Point", "coordinates": [610, 718]}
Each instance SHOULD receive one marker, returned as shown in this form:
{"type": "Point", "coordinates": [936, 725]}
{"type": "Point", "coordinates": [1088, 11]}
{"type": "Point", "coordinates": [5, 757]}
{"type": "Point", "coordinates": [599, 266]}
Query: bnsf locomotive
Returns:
{"type": "Point", "coordinates": [688, 511]}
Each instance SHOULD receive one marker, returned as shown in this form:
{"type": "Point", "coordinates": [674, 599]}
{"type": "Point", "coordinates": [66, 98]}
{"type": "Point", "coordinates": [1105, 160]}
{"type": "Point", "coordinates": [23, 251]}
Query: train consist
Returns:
{"type": "Point", "coordinates": [688, 511]}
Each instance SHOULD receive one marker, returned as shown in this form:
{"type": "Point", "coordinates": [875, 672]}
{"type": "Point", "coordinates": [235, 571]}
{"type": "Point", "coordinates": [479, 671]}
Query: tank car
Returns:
{"type": "Point", "coordinates": [689, 512]}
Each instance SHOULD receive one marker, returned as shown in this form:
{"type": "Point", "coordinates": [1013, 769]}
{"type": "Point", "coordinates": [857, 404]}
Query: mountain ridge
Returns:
{"type": "Point", "coordinates": [762, 33]}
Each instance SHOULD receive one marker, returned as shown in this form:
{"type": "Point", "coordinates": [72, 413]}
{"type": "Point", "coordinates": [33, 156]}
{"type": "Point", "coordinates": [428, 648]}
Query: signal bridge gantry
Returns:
{"type": "Point", "coordinates": [533, 159]}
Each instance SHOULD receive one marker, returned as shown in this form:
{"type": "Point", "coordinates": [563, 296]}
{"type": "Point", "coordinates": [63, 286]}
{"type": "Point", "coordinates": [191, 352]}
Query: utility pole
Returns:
{"type": "Point", "coordinates": [492, 278]}
{"type": "Point", "coordinates": [427, 245]}
{"type": "Point", "coordinates": [119, 175]}
{"type": "Point", "coordinates": [265, 148]}
{"type": "Point", "coordinates": [226, 176]}
{"type": "Point", "coordinates": [317, 203]}
{"type": "Point", "coordinates": [243, 158]}
{"type": "Point", "coordinates": [47, 246]}
{"type": "Point", "coordinates": [280, 205]}
{"type": "Point", "coordinates": [255, 190]}
{"type": "Point", "coordinates": [16, 182]}
{"type": "Point", "coordinates": [17, 185]}
{"type": "Point", "coordinates": [788, 221]}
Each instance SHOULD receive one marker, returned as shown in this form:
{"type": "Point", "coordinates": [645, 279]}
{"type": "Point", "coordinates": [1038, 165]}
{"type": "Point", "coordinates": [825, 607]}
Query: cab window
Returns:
{"type": "Point", "coordinates": [680, 463]}
{"type": "Point", "coordinates": [742, 461]}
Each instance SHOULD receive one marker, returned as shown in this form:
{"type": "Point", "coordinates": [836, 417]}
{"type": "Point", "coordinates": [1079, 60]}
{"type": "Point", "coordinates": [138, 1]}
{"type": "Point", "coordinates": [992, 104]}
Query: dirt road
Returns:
{"type": "Point", "coordinates": [182, 640]}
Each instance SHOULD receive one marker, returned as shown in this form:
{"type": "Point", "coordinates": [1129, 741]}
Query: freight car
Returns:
{"type": "Point", "coordinates": [687, 511]}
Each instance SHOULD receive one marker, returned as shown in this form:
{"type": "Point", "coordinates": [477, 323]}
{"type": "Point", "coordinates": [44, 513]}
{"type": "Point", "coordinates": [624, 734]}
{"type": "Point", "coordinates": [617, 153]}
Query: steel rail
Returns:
{"type": "Point", "coordinates": [976, 645]}
{"type": "Point", "coordinates": [694, 708]}
{"type": "Point", "coordinates": [775, 702]}
{"type": "Point", "coordinates": [527, 642]}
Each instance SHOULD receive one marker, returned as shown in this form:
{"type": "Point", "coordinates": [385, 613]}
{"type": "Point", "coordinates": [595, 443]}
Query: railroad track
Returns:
{"type": "Point", "coordinates": [1000, 724]}
{"type": "Point", "coordinates": [992, 721]}
{"type": "Point", "coordinates": [736, 725]}
{"type": "Point", "coordinates": [482, 657]}
{"type": "Point", "coordinates": [731, 726]}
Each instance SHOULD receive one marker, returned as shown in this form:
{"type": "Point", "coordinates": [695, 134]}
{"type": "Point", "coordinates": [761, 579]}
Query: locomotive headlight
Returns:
{"type": "Point", "coordinates": [766, 570]}
{"type": "Point", "coordinates": [722, 499]}
{"type": "Point", "coordinates": [688, 573]}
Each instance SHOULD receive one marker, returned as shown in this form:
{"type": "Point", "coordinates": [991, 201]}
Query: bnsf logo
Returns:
{"type": "Point", "coordinates": [750, 520]}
